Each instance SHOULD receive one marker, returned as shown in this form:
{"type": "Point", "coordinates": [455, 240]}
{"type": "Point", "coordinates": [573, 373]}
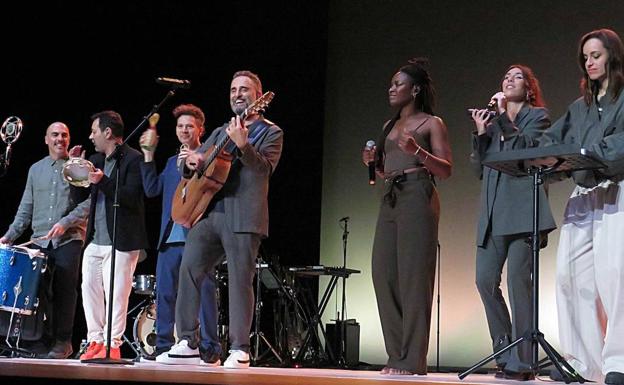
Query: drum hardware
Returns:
{"type": "Point", "coordinates": [288, 314]}
{"type": "Point", "coordinates": [144, 284]}
{"type": "Point", "coordinates": [76, 171]}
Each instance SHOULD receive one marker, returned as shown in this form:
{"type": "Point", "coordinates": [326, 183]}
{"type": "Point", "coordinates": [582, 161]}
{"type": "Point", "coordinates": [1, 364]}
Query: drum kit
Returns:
{"type": "Point", "coordinates": [144, 326]}
{"type": "Point", "coordinates": [21, 271]}
{"type": "Point", "coordinates": [289, 317]}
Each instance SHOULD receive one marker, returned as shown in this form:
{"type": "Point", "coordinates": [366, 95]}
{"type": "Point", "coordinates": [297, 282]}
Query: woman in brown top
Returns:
{"type": "Point", "coordinates": [414, 148]}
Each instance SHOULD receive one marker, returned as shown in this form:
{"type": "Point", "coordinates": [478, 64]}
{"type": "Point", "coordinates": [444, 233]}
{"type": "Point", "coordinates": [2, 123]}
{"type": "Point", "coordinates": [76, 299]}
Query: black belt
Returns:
{"type": "Point", "coordinates": [396, 182]}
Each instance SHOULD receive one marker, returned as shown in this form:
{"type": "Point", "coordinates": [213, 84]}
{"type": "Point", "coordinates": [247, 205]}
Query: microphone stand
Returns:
{"type": "Point", "coordinates": [116, 154]}
{"type": "Point", "coordinates": [345, 234]}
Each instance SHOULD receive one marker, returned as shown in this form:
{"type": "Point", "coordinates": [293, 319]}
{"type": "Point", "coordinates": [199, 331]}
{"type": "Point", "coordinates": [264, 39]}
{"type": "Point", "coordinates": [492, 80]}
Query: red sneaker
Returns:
{"type": "Point", "coordinates": [93, 349]}
{"type": "Point", "coordinates": [115, 353]}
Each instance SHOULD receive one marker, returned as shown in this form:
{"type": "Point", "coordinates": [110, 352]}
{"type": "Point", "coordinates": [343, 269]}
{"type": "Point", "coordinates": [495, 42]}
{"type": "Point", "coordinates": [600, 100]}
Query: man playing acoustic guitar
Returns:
{"type": "Point", "coordinates": [233, 224]}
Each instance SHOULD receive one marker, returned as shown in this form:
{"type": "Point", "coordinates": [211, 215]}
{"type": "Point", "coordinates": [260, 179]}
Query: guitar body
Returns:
{"type": "Point", "coordinates": [193, 195]}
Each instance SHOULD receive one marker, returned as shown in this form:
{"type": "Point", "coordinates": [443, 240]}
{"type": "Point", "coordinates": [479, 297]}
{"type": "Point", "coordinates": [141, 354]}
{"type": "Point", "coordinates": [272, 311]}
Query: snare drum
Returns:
{"type": "Point", "coordinates": [20, 272]}
{"type": "Point", "coordinates": [144, 284]}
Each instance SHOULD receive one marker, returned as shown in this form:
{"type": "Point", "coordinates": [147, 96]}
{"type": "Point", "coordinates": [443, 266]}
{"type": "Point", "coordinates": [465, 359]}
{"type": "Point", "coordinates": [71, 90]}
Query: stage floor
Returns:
{"type": "Point", "coordinates": [73, 370]}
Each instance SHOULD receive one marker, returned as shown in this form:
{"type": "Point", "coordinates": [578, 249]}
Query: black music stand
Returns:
{"type": "Point", "coordinates": [568, 158]}
{"type": "Point", "coordinates": [315, 319]}
{"type": "Point", "coordinates": [257, 335]}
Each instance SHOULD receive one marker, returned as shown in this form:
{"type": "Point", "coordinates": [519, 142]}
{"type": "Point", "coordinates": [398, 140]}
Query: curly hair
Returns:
{"type": "Point", "coordinates": [190, 109]}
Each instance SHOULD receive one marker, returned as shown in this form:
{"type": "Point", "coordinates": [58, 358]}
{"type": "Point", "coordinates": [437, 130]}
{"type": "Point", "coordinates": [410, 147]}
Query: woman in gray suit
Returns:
{"type": "Point", "coordinates": [505, 220]}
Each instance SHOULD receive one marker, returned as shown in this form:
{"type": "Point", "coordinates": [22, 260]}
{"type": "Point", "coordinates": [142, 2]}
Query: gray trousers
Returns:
{"type": "Point", "coordinates": [208, 242]}
{"type": "Point", "coordinates": [403, 264]}
{"type": "Point", "coordinates": [490, 260]}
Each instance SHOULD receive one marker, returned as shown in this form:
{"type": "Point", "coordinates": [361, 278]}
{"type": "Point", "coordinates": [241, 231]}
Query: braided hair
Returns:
{"type": "Point", "coordinates": [417, 70]}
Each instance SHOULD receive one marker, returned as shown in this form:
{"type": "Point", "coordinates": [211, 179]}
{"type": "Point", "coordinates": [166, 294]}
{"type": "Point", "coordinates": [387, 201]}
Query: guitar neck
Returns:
{"type": "Point", "coordinates": [257, 107]}
{"type": "Point", "coordinates": [217, 150]}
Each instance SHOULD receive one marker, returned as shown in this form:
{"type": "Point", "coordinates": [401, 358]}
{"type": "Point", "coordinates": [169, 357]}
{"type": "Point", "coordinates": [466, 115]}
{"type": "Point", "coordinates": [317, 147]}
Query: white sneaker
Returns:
{"type": "Point", "coordinates": [237, 359]}
{"type": "Point", "coordinates": [180, 354]}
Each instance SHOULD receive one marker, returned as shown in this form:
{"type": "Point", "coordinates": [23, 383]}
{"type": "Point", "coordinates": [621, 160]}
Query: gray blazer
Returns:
{"type": "Point", "coordinates": [507, 202]}
{"type": "Point", "coordinates": [246, 190]}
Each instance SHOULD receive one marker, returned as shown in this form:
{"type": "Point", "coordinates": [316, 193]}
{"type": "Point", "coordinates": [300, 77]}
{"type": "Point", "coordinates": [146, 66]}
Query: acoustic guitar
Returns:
{"type": "Point", "coordinates": [193, 194]}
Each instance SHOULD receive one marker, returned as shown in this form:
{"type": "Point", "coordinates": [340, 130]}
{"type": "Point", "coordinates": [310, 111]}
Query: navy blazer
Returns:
{"type": "Point", "coordinates": [131, 230]}
{"type": "Point", "coordinates": [165, 184]}
{"type": "Point", "coordinates": [507, 202]}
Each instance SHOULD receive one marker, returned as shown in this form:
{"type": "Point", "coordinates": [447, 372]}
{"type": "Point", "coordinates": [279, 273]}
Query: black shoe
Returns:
{"type": "Point", "coordinates": [519, 376]}
{"type": "Point", "coordinates": [500, 373]}
{"type": "Point", "coordinates": [155, 353]}
{"type": "Point", "coordinates": [34, 349]}
{"type": "Point", "coordinates": [614, 378]}
{"type": "Point", "coordinates": [556, 375]}
{"type": "Point", "coordinates": [209, 358]}
{"type": "Point", "coordinates": [60, 351]}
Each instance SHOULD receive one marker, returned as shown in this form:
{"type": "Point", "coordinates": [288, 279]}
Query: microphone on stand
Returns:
{"type": "Point", "coordinates": [370, 145]}
{"type": "Point", "coordinates": [344, 219]}
{"type": "Point", "coordinates": [9, 132]}
{"type": "Point", "coordinates": [174, 83]}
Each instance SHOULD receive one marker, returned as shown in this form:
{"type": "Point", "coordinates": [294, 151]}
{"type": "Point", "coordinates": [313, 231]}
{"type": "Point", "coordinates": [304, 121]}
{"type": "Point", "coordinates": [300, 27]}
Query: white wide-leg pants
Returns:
{"type": "Point", "coordinates": [590, 280]}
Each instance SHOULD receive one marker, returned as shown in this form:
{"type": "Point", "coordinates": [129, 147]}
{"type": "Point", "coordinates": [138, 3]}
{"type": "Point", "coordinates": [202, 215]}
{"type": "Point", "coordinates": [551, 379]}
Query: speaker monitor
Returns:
{"type": "Point", "coordinates": [352, 341]}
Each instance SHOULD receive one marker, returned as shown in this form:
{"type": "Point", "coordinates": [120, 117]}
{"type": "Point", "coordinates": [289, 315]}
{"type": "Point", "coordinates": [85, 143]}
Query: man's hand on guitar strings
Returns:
{"type": "Point", "coordinates": [193, 159]}
{"type": "Point", "coordinates": [237, 132]}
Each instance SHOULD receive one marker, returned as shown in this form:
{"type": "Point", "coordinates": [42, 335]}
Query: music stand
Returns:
{"type": "Point", "coordinates": [315, 318]}
{"type": "Point", "coordinates": [257, 335]}
{"type": "Point", "coordinates": [568, 158]}
{"type": "Point", "coordinates": [117, 154]}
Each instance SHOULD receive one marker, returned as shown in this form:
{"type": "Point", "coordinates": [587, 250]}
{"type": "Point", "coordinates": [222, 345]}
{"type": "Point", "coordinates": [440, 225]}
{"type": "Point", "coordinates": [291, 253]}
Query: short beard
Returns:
{"type": "Point", "coordinates": [238, 110]}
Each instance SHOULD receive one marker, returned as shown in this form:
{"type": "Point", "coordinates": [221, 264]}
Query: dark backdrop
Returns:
{"type": "Point", "coordinates": [64, 61]}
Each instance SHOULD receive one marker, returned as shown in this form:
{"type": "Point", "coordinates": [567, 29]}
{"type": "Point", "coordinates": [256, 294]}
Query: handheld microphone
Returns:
{"type": "Point", "coordinates": [370, 145]}
{"type": "Point", "coordinates": [491, 107]}
{"type": "Point", "coordinates": [174, 83]}
{"type": "Point", "coordinates": [491, 113]}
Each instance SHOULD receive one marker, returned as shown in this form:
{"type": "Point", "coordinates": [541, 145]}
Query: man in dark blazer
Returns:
{"type": "Point", "coordinates": [232, 227]}
{"type": "Point", "coordinates": [130, 233]}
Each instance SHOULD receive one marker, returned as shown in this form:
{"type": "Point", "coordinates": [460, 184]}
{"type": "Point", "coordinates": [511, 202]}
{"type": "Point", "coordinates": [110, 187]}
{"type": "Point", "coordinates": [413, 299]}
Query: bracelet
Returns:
{"type": "Point", "coordinates": [418, 150]}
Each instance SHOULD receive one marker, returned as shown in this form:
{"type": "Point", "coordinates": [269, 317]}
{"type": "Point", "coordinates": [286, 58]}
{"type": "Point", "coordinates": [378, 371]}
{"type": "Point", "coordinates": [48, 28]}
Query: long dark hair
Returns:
{"type": "Point", "coordinates": [417, 70]}
{"type": "Point", "coordinates": [534, 96]}
{"type": "Point", "coordinates": [615, 70]}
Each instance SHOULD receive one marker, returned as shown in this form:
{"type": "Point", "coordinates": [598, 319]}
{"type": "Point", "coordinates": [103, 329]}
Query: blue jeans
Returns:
{"type": "Point", "coordinates": [167, 273]}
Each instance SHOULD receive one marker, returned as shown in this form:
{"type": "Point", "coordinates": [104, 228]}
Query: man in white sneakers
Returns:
{"type": "Point", "coordinates": [232, 227]}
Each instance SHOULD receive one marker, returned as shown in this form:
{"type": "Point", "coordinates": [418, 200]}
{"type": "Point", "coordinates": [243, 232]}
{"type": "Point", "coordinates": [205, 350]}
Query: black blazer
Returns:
{"type": "Point", "coordinates": [131, 231]}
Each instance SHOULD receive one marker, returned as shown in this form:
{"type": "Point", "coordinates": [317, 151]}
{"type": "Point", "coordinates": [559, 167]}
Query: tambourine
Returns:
{"type": "Point", "coordinates": [76, 171]}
